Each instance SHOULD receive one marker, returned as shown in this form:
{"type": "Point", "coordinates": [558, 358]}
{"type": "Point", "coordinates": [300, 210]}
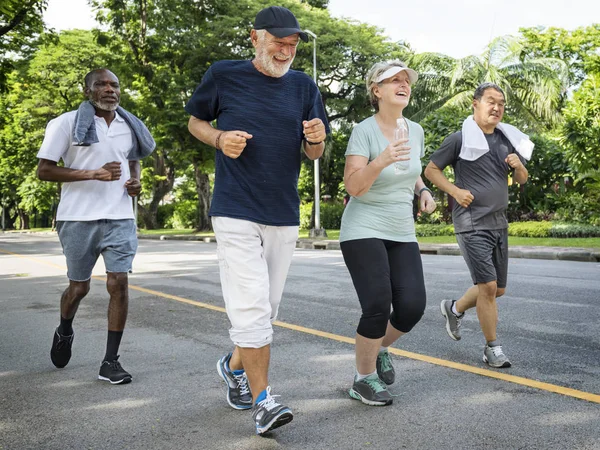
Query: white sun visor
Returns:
{"type": "Point", "coordinates": [412, 75]}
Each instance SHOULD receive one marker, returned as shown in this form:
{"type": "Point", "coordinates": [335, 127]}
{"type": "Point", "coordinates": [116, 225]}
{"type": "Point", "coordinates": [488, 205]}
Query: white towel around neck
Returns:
{"type": "Point", "coordinates": [475, 145]}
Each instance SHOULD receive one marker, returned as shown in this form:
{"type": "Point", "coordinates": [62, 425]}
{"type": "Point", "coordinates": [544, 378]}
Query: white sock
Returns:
{"type": "Point", "coordinates": [383, 349]}
{"type": "Point", "coordinates": [358, 376]}
{"type": "Point", "coordinates": [454, 311]}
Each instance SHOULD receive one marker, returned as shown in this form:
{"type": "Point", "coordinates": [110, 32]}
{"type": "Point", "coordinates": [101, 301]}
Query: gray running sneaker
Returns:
{"type": "Point", "coordinates": [268, 414]}
{"type": "Point", "coordinates": [495, 357]}
{"type": "Point", "coordinates": [385, 369]}
{"type": "Point", "coordinates": [238, 390]}
{"type": "Point", "coordinates": [452, 322]}
{"type": "Point", "coordinates": [371, 391]}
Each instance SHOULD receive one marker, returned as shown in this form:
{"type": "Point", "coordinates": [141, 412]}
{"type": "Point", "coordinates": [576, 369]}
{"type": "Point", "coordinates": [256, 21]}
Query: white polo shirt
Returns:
{"type": "Point", "coordinates": [90, 199]}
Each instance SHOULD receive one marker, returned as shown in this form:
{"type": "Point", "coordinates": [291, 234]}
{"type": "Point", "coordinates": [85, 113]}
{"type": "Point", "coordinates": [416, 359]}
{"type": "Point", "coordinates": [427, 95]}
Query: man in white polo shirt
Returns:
{"type": "Point", "coordinates": [95, 215]}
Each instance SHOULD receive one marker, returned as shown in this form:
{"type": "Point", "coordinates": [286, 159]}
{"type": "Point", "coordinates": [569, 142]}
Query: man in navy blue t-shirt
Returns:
{"type": "Point", "coordinates": [266, 115]}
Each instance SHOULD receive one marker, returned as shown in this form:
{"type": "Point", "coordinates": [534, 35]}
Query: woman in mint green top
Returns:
{"type": "Point", "coordinates": [377, 236]}
{"type": "Point", "coordinates": [385, 211]}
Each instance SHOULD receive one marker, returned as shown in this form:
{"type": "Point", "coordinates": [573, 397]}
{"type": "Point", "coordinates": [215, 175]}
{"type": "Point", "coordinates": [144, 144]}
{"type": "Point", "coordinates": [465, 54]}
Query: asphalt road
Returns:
{"type": "Point", "coordinates": [177, 330]}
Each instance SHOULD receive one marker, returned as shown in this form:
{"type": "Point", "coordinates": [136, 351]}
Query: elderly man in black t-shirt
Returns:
{"type": "Point", "coordinates": [265, 114]}
{"type": "Point", "coordinates": [482, 157]}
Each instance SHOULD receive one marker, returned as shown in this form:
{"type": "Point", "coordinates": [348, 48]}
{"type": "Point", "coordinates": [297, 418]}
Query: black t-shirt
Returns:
{"type": "Point", "coordinates": [262, 184]}
{"type": "Point", "coordinates": [486, 178]}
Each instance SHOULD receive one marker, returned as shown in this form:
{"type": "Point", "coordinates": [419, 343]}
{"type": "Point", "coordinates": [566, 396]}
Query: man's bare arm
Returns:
{"type": "Point", "coordinates": [49, 171]}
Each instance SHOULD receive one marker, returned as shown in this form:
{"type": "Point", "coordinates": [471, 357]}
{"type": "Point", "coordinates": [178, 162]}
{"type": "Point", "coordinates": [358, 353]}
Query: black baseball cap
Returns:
{"type": "Point", "coordinates": [279, 21]}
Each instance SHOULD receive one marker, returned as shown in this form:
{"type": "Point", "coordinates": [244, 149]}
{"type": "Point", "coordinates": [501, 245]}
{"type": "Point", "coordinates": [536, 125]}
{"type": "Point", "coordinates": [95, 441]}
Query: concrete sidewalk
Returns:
{"type": "Point", "coordinates": [557, 253]}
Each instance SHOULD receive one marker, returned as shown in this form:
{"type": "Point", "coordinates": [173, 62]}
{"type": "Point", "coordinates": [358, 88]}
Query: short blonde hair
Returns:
{"type": "Point", "coordinates": [374, 72]}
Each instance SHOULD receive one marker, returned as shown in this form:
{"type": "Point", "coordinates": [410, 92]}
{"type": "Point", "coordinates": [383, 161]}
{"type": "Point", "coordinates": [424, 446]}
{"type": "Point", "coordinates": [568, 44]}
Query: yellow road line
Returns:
{"type": "Point", "coordinates": [39, 261]}
{"type": "Point", "coordinates": [582, 395]}
{"type": "Point", "coordinates": [588, 396]}
{"type": "Point", "coordinates": [178, 299]}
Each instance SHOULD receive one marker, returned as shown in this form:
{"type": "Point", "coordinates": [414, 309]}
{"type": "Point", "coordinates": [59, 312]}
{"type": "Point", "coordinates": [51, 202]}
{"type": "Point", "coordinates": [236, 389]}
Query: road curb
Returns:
{"type": "Point", "coordinates": [549, 253]}
{"type": "Point", "coordinates": [168, 237]}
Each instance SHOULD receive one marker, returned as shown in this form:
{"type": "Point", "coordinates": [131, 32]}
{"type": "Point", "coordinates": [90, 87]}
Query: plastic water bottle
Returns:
{"type": "Point", "coordinates": [401, 132]}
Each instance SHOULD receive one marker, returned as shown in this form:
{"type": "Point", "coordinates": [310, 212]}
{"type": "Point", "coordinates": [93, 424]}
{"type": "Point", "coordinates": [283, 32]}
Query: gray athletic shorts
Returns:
{"type": "Point", "coordinates": [83, 242]}
{"type": "Point", "coordinates": [486, 255]}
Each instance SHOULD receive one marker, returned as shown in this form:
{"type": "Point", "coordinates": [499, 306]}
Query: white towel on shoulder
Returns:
{"type": "Point", "coordinates": [475, 145]}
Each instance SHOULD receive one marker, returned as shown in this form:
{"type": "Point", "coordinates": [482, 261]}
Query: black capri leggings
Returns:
{"type": "Point", "coordinates": [386, 274]}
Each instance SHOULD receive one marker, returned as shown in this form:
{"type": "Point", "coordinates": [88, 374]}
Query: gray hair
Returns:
{"type": "Point", "coordinates": [485, 86]}
{"type": "Point", "coordinates": [374, 72]}
{"type": "Point", "coordinates": [261, 35]}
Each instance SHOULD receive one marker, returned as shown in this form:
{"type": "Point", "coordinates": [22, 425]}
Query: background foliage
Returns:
{"type": "Point", "coordinates": [160, 50]}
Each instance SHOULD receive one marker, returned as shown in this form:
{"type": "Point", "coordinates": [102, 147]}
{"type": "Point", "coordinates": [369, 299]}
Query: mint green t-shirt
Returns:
{"type": "Point", "coordinates": [386, 210]}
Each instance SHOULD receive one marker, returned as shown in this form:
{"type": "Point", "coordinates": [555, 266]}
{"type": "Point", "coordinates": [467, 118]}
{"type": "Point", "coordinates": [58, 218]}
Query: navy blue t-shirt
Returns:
{"type": "Point", "coordinates": [262, 184]}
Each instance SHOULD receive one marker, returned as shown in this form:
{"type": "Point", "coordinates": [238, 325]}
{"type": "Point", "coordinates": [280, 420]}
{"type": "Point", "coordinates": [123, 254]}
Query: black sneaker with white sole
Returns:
{"type": "Point", "coordinates": [268, 414]}
{"type": "Point", "coordinates": [113, 372]}
{"type": "Point", "coordinates": [60, 354]}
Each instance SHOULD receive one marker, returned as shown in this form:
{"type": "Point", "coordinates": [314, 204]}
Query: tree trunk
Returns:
{"type": "Point", "coordinates": [163, 184]}
{"type": "Point", "coordinates": [149, 215]}
{"type": "Point", "coordinates": [23, 219]}
{"type": "Point", "coordinates": [203, 190]}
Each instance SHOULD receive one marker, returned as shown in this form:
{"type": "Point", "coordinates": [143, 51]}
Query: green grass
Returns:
{"type": "Point", "coordinates": [30, 230]}
{"type": "Point", "coordinates": [556, 242]}
{"type": "Point", "coordinates": [331, 234]}
{"type": "Point", "coordinates": [536, 242]}
{"type": "Point", "coordinates": [522, 241]}
{"type": "Point", "coordinates": [335, 234]}
{"type": "Point", "coordinates": [171, 232]}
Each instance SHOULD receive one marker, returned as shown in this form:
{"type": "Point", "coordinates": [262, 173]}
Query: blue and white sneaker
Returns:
{"type": "Point", "coordinates": [268, 414]}
{"type": "Point", "coordinates": [238, 390]}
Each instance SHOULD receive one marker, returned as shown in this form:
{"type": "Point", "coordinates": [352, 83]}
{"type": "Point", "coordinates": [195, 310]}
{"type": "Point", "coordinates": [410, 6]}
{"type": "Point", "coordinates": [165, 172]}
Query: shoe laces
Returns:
{"type": "Point", "coordinates": [386, 361]}
{"type": "Point", "coordinates": [458, 319]}
{"type": "Point", "coordinates": [375, 383]}
{"type": "Point", "coordinates": [242, 382]}
{"type": "Point", "coordinates": [497, 351]}
{"type": "Point", "coordinates": [63, 341]}
{"type": "Point", "coordinates": [115, 364]}
{"type": "Point", "coordinates": [269, 402]}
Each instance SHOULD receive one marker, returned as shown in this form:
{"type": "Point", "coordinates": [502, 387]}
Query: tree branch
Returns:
{"type": "Point", "coordinates": [15, 21]}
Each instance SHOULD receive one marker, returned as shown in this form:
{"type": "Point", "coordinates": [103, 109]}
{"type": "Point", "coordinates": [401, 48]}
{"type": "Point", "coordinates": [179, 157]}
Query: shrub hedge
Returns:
{"type": "Point", "coordinates": [331, 217]}
{"type": "Point", "coordinates": [529, 229]}
{"type": "Point", "coordinates": [522, 229]}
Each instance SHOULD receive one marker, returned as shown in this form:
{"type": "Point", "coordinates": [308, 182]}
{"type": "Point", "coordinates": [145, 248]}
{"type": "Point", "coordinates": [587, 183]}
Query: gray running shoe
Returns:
{"type": "Point", "coordinates": [495, 357]}
{"type": "Point", "coordinates": [371, 391]}
{"type": "Point", "coordinates": [238, 390]}
{"type": "Point", "coordinates": [268, 414]}
{"type": "Point", "coordinates": [452, 322]}
{"type": "Point", "coordinates": [385, 369]}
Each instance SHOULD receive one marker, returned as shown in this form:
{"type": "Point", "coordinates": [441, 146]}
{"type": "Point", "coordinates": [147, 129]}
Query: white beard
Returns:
{"type": "Point", "coordinates": [105, 106]}
{"type": "Point", "coordinates": [268, 65]}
